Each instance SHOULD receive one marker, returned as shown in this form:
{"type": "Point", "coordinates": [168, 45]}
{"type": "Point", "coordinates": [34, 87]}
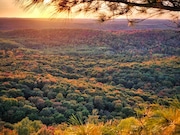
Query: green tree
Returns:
{"type": "Point", "coordinates": [14, 93]}
{"type": "Point", "coordinates": [89, 106]}
{"type": "Point", "coordinates": [69, 113]}
{"type": "Point", "coordinates": [48, 111]}
{"type": "Point", "coordinates": [27, 127]}
{"type": "Point", "coordinates": [59, 117]}
{"type": "Point", "coordinates": [47, 120]}
{"type": "Point", "coordinates": [98, 102]}
{"type": "Point", "coordinates": [128, 111]}
{"type": "Point", "coordinates": [9, 111]}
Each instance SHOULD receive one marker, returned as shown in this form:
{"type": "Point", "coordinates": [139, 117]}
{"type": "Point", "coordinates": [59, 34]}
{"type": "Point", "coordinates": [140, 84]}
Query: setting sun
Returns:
{"type": "Point", "coordinates": [11, 9]}
{"type": "Point", "coordinates": [47, 1]}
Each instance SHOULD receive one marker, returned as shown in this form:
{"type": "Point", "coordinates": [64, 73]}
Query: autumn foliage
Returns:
{"type": "Point", "coordinates": [96, 83]}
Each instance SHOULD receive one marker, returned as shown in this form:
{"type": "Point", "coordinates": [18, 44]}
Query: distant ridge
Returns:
{"type": "Point", "coordinates": [113, 25]}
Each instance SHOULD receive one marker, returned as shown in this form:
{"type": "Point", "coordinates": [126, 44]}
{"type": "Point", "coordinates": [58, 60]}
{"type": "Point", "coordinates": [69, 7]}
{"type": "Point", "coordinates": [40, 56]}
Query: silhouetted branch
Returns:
{"type": "Point", "coordinates": [107, 9]}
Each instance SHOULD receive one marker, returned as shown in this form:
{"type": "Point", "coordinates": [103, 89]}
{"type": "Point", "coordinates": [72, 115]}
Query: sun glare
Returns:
{"type": "Point", "coordinates": [47, 1]}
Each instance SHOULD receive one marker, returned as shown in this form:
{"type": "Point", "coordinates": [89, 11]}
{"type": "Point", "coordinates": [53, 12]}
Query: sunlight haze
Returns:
{"type": "Point", "coordinates": [11, 9]}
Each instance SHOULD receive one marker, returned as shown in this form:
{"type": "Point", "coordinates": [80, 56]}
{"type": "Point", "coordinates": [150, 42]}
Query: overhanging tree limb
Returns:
{"type": "Point", "coordinates": [158, 4]}
{"type": "Point", "coordinates": [108, 9]}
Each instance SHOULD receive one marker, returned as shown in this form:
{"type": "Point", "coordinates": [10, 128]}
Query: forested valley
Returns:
{"type": "Point", "coordinates": [87, 81]}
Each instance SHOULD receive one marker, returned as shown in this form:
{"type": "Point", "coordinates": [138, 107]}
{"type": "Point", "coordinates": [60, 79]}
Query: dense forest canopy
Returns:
{"type": "Point", "coordinates": [88, 80]}
{"type": "Point", "coordinates": [98, 76]}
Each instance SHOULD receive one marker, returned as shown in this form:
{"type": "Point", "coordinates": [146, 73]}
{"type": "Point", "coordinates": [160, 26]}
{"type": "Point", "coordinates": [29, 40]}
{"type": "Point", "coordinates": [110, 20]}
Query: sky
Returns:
{"type": "Point", "coordinates": [8, 8]}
